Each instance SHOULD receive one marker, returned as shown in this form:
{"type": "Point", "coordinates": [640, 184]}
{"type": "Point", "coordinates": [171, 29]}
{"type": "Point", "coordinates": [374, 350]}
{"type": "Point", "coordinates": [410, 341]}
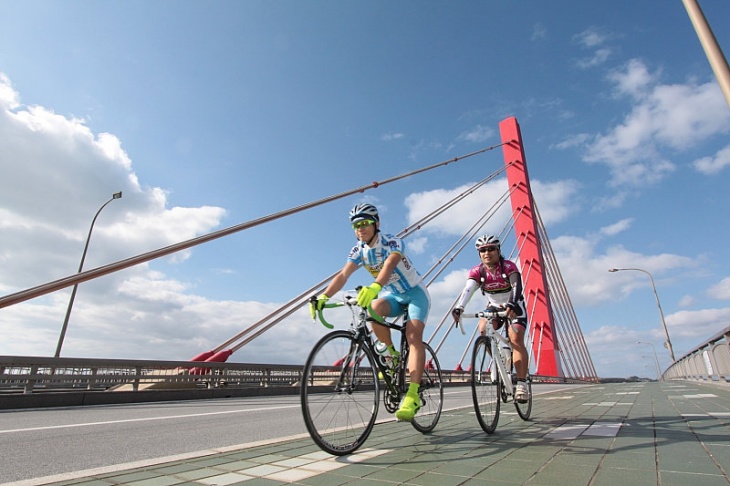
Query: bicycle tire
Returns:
{"type": "Point", "coordinates": [524, 409]}
{"type": "Point", "coordinates": [339, 393]}
{"type": "Point", "coordinates": [485, 392]}
{"type": "Point", "coordinates": [431, 393]}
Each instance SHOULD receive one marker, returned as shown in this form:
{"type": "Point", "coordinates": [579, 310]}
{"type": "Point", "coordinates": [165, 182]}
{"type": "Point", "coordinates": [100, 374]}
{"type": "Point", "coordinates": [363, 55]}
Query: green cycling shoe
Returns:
{"type": "Point", "coordinates": [411, 404]}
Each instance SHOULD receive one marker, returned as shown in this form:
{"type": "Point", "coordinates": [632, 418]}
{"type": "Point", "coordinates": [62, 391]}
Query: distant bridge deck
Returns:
{"type": "Point", "coordinates": [33, 382]}
{"type": "Point", "coordinates": [654, 433]}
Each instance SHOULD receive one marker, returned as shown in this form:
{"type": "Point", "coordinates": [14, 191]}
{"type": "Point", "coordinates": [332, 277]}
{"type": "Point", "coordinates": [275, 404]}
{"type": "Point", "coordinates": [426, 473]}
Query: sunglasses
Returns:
{"type": "Point", "coordinates": [362, 224]}
{"type": "Point", "coordinates": [485, 249]}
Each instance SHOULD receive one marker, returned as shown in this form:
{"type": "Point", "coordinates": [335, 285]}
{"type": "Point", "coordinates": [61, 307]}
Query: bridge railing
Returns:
{"type": "Point", "coordinates": [31, 375]}
{"type": "Point", "coordinates": [710, 361]}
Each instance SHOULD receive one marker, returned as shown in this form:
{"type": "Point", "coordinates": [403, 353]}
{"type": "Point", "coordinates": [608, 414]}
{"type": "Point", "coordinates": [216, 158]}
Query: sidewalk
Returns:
{"type": "Point", "coordinates": [669, 433]}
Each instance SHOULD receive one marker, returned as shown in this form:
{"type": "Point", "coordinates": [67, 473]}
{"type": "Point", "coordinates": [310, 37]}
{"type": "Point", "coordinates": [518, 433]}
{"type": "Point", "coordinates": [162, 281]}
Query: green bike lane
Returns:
{"type": "Point", "coordinates": [666, 433]}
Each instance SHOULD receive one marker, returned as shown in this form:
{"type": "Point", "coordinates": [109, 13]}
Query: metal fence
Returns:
{"type": "Point", "coordinates": [34, 375]}
{"type": "Point", "coordinates": [21, 374]}
{"type": "Point", "coordinates": [710, 361]}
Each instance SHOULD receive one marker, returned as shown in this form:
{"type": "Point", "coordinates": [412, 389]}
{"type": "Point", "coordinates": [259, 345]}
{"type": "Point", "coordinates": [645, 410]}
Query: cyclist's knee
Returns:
{"type": "Point", "coordinates": [381, 307]}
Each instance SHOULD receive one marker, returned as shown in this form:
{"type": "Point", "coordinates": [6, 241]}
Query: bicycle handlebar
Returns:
{"type": "Point", "coordinates": [349, 301]}
{"type": "Point", "coordinates": [321, 316]}
{"type": "Point", "coordinates": [489, 313]}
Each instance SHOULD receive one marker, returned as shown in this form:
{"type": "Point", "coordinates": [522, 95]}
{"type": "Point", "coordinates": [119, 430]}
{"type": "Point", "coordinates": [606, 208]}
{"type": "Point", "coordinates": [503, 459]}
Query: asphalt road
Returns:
{"type": "Point", "coordinates": [43, 442]}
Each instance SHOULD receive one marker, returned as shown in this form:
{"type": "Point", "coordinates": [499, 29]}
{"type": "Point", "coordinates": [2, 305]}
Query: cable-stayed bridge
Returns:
{"type": "Point", "coordinates": [555, 341]}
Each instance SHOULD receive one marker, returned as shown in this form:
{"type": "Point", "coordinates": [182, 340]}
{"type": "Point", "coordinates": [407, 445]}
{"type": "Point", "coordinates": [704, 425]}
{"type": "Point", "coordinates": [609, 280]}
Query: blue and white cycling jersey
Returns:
{"type": "Point", "coordinates": [403, 278]}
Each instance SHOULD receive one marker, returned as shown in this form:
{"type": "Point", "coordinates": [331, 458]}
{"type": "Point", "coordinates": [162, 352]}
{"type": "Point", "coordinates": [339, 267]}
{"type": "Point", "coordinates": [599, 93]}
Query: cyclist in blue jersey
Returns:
{"type": "Point", "coordinates": [384, 256]}
{"type": "Point", "coordinates": [500, 281]}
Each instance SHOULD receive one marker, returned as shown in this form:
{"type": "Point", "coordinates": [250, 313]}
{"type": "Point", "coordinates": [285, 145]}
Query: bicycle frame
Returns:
{"type": "Point", "coordinates": [499, 344]}
{"type": "Point", "coordinates": [500, 386]}
{"type": "Point", "coordinates": [340, 413]}
{"type": "Point", "coordinates": [362, 334]}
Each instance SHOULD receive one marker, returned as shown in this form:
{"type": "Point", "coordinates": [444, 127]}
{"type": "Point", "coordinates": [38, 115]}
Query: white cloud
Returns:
{"type": "Point", "coordinates": [593, 39]}
{"type": "Point", "coordinates": [618, 227]}
{"type": "Point", "coordinates": [477, 134]}
{"type": "Point", "coordinates": [687, 301]}
{"type": "Point", "coordinates": [665, 119]}
{"type": "Point", "coordinates": [539, 32]}
{"type": "Point", "coordinates": [9, 98]}
{"type": "Point", "coordinates": [713, 165]}
{"type": "Point", "coordinates": [586, 274]}
{"type": "Point", "coordinates": [590, 38]}
{"type": "Point", "coordinates": [556, 203]}
{"type": "Point", "coordinates": [634, 79]}
{"type": "Point", "coordinates": [612, 201]}
{"type": "Point", "coordinates": [599, 57]}
{"type": "Point", "coordinates": [720, 290]}
{"type": "Point", "coordinates": [573, 141]}
{"type": "Point", "coordinates": [615, 347]}
{"type": "Point", "coordinates": [391, 136]}
{"type": "Point", "coordinates": [56, 174]}
{"type": "Point", "coordinates": [417, 245]}
{"type": "Point", "coordinates": [696, 326]}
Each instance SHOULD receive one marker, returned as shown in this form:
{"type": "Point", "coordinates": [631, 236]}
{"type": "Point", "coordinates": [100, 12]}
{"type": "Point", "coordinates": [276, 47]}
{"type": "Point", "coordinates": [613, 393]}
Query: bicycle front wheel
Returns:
{"type": "Point", "coordinates": [339, 393]}
{"type": "Point", "coordinates": [524, 409]}
{"type": "Point", "coordinates": [485, 390]}
{"type": "Point", "coordinates": [431, 392]}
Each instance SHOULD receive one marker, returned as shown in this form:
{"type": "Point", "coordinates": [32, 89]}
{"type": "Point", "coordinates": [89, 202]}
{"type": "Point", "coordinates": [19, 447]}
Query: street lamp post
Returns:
{"type": "Point", "coordinates": [658, 304]}
{"type": "Point", "coordinates": [116, 195]}
{"type": "Point", "coordinates": [656, 358]}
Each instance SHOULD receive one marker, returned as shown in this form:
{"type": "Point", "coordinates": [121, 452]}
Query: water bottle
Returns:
{"type": "Point", "coordinates": [381, 348]}
{"type": "Point", "coordinates": [384, 354]}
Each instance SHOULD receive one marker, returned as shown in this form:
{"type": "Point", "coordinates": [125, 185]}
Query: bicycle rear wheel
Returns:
{"type": "Point", "coordinates": [339, 393]}
{"type": "Point", "coordinates": [524, 409]}
{"type": "Point", "coordinates": [484, 391]}
{"type": "Point", "coordinates": [431, 392]}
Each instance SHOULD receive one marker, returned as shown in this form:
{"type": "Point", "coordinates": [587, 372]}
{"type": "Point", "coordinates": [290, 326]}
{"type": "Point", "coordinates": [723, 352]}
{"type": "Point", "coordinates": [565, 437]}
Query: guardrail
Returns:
{"type": "Point", "coordinates": [27, 381]}
{"type": "Point", "coordinates": [20, 374]}
{"type": "Point", "coordinates": [710, 361]}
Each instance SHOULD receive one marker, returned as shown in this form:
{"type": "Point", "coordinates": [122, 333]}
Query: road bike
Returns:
{"type": "Point", "coordinates": [341, 381]}
{"type": "Point", "coordinates": [493, 380]}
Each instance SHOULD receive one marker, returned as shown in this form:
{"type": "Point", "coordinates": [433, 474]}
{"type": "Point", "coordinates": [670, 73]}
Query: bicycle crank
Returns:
{"type": "Point", "coordinates": [390, 400]}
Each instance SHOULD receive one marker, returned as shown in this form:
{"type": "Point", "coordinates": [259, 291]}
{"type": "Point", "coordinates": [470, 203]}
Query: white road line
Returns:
{"type": "Point", "coordinates": [146, 419]}
{"type": "Point", "coordinates": [603, 429]}
{"type": "Point", "coordinates": [597, 429]}
{"type": "Point", "coordinates": [566, 432]}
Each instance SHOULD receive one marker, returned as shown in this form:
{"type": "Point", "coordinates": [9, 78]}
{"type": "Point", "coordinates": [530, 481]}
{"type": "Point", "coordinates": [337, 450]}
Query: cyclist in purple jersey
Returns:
{"type": "Point", "coordinates": [384, 257]}
{"type": "Point", "coordinates": [500, 281]}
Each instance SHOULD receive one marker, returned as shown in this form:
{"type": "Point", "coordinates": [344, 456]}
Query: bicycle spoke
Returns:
{"type": "Point", "coordinates": [339, 395]}
{"type": "Point", "coordinates": [485, 390]}
{"type": "Point", "coordinates": [431, 393]}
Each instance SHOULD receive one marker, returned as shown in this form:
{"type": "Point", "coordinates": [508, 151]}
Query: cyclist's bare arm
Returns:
{"type": "Point", "coordinates": [340, 279]}
{"type": "Point", "coordinates": [390, 263]}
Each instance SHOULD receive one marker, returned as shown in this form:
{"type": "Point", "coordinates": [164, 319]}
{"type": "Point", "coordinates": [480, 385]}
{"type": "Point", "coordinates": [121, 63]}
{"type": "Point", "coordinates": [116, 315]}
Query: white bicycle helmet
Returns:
{"type": "Point", "coordinates": [361, 212]}
{"type": "Point", "coordinates": [485, 240]}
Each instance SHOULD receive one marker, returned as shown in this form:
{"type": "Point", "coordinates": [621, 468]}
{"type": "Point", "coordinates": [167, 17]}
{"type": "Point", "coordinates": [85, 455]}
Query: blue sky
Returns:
{"type": "Point", "coordinates": [210, 114]}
